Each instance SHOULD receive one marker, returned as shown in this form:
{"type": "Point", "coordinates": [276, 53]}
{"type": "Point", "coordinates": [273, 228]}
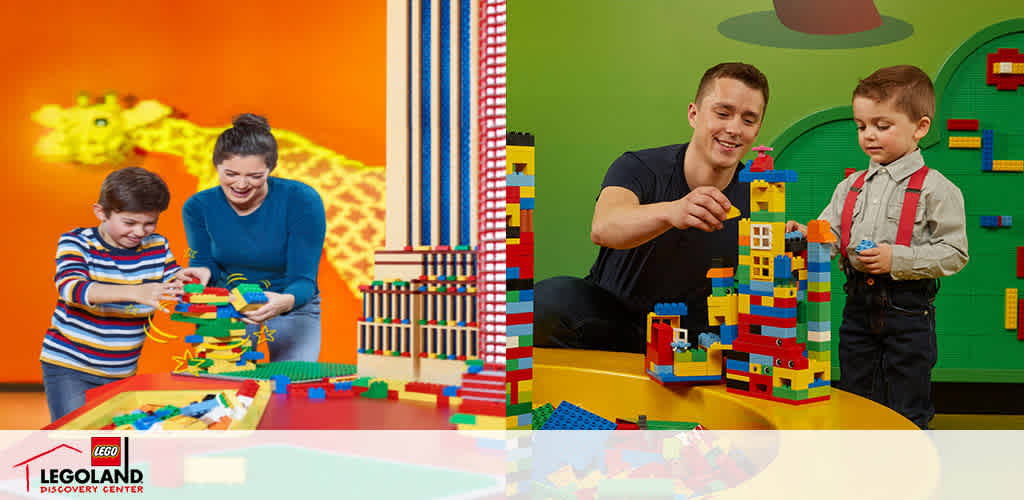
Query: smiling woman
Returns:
{"type": "Point", "coordinates": [264, 230]}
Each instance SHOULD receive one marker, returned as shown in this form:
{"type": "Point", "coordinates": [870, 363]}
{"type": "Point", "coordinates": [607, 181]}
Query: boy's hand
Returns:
{"type": "Point", "coordinates": [277, 304]}
{"type": "Point", "coordinates": [151, 294]}
{"type": "Point", "coordinates": [704, 208]}
{"type": "Point", "coordinates": [194, 273]}
{"type": "Point", "coordinates": [877, 260]}
{"type": "Point", "coordinates": [792, 225]}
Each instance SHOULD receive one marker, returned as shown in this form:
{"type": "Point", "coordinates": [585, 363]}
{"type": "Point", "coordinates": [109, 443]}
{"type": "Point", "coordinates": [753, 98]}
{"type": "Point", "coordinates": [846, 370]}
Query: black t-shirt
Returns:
{"type": "Point", "coordinates": [672, 267]}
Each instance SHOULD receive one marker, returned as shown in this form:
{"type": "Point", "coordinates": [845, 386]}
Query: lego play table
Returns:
{"type": "Point", "coordinates": [613, 385]}
{"type": "Point", "coordinates": [286, 412]}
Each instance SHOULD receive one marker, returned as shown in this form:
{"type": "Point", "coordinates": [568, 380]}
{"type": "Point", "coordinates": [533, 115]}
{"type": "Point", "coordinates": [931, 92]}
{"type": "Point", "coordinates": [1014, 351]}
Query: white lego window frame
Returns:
{"type": "Point", "coordinates": [760, 236]}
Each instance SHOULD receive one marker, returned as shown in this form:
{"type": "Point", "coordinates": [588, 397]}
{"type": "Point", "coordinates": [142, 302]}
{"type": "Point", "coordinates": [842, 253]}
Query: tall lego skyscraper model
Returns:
{"type": "Point", "coordinates": [782, 348]}
{"type": "Point", "coordinates": [435, 312]}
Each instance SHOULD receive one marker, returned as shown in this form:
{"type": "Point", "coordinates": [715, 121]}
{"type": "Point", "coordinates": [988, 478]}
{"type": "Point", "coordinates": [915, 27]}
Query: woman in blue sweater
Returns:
{"type": "Point", "coordinates": [258, 229]}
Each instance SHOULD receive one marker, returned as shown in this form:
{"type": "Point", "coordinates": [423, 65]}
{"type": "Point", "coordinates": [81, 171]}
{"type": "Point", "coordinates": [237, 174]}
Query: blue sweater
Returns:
{"type": "Point", "coordinates": [278, 244]}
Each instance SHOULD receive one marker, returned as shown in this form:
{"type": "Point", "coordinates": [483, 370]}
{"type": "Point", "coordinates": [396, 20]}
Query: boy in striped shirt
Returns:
{"type": "Point", "coordinates": [110, 279]}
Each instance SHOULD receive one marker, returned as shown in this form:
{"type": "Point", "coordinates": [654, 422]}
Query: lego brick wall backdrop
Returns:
{"type": "Point", "coordinates": [316, 69]}
{"type": "Point", "coordinates": [622, 80]}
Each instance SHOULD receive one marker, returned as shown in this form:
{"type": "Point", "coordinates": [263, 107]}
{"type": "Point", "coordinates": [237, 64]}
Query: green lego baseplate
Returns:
{"type": "Point", "coordinates": [296, 371]}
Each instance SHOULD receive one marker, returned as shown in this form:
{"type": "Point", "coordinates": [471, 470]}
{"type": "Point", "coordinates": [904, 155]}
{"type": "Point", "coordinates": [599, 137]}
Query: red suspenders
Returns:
{"type": "Point", "coordinates": [910, 200]}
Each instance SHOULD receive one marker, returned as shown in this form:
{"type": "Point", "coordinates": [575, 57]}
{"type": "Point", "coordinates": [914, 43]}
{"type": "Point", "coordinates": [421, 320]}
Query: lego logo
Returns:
{"type": "Point", "coordinates": [106, 451]}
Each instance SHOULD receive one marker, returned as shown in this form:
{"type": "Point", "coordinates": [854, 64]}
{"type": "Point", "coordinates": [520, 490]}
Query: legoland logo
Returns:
{"type": "Point", "coordinates": [104, 452]}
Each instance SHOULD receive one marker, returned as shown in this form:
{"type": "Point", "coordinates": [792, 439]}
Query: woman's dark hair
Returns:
{"type": "Point", "coordinates": [249, 135]}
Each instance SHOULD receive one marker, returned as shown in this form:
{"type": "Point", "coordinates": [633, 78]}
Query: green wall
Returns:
{"type": "Point", "coordinates": [594, 79]}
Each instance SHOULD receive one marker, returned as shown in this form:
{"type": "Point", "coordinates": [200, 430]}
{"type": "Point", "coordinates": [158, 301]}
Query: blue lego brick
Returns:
{"type": "Point", "coordinates": [525, 420]}
{"type": "Point", "coordinates": [571, 417]}
{"type": "Point", "coordinates": [822, 277]}
{"type": "Point", "coordinates": [181, 307]}
{"type": "Point", "coordinates": [526, 295]}
{"type": "Point", "coordinates": [779, 333]}
{"type": "Point", "coordinates": [252, 356]}
{"type": "Point", "coordinates": [255, 297]}
{"type": "Point", "coordinates": [1005, 220]}
{"type": "Point", "coordinates": [663, 369]}
{"type": "Point", "coordinates": [450, 391]}
{"type": "Point", "coordinates": [773, 312]}
{"type": "Point", "coordinates": [819, 267]}
{"type": "Point", "coordinates": [343, 386]}
{"type": "Point", "coordinates": [513, 180]}
{"type": "Point", "coordinates": [194, 339]}
{"type": "Point", "coordinates": [722, 282]}
{"type": "Point", "coordinates": [519, 330]}
{"type": "Point", "coordinates": [760, 292]}
{"type": "Point", "coordinates": [526, 203]}
{"type": "Point", "coordinates": [864, 245]}
{"type": "Point", "coordinates": [145, 423]}
{"type": "Point", "coordinates": [819, 326]}
{"type": "Point", "coordinates": [761, 359]}
{"type": "Point", "coordinates": [670, 309]}
{"type": "Point", "coordinates": [519, 307]}
{"type": "Point", "coordinates": [783, 265]}
{"type": "Point", "coordinates": [819, 383]}
{"type": "Point", "coordinates": [770, 176]}
{"type": "Point", "coordinates": [200, 408]}
{"type": "Point", "coordinates": [512, 273]}
{"type": "Point", "coordinates": [736, 365]}
{"type": "Point", "coordinates": [525, 363]}
{"type": "Point", "coordinates": [989, 221]}
{"type": "Point", "coordinates": [406, 322]}
{"type": "Point", "coordinates": [762, 287]}
{"type": "Point", "coordinates": [665, 379]}
{"type": "Point", "coordinates": [316, 393]}
{"type": "Point", "coordinates": [240, 363]}
{"type": "Point", "coordinates": [819, 252]}
{"type": "Point", "coordinates": [706, 339]}
{"type": "Point", "coordinates": [801, 293]}
{"type": "Point", "coordinates": [280, 383]}
{"type": "Point", "coordinates": [474, 369]}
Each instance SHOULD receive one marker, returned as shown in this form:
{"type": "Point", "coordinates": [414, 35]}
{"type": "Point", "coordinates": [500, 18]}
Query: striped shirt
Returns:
{"type": "Point", "coordinates": [102, 339]}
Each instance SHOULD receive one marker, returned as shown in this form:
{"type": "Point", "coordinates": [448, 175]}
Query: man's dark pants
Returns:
{"type": "Point", "coordinates": [575, 313]}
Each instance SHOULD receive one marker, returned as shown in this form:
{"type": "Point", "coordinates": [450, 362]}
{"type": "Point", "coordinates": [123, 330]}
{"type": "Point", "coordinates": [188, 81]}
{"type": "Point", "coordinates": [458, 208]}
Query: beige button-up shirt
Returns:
{"type": "Point", "coordinates": [938, 246]}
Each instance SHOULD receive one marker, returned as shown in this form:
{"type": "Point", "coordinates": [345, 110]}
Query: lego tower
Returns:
{"type": "Point", "coordinates": [781, 351]}
{"type": "Point", "coordinates": [519, 180]}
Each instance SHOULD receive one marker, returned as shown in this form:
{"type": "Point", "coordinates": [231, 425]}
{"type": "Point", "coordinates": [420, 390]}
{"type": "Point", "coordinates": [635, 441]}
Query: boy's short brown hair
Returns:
{"type": "Point", "coordinates": [134, 189]}
{"type": "Point", "coordinates": [746, 73]}
{"type": "Point", "coordinates": [909, 88]}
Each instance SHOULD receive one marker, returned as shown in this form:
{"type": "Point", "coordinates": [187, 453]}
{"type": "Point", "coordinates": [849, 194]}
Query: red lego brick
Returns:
{"type": "Point", "coordinates": [512, 194]}
{"type": "Point", "coordinates": [519, 352]}
{"type": "Point", "coordinates": [216, 291]}
{"type": "Point", "coordinates": [424, 387]}
{"type": "Point", "coordinates": [780, 302]}
{"type": "Point", "coordinates": [961, 124]}
{"type": "Point", "coordinates": [1020, 320]}
{"type": "Point", "coordinates": [819, 296]}
{"type": "Point", "coordinates": [518, 375]}
{"type": "Point", "coordinates": [519, 319]}
{"type": "Point", "coordinates": [478, 407]}
{"type": "Point", "coordinates": [1020, 262]}
{"type": "Point", "coordinates": [754, 319]}
{"type": "Point", "coordinates": [393, 395]}
{"type": "Point", "coordinates": [1002, 81]}
{"type": "Point", "coordinates": [663, 350]}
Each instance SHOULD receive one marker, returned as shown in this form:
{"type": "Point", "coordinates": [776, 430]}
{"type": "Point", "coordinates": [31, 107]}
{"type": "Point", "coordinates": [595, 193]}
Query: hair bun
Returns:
{"type": "Point", "coordinates": [251, 120]}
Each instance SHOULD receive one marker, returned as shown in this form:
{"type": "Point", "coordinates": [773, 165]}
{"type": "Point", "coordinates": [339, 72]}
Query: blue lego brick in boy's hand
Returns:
{"type": "Point", "coordinates": [865, 244]}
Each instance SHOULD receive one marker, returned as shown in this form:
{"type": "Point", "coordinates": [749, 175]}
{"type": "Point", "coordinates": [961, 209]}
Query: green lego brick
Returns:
{"type": "Point", "coordinates": [801, 333]}
{"type": "Point", "coordinates": [248, 288]}
{"type": "Point", "coordinates": [541, 414]}
{"type": "Point", "coordinates": [525, 340]}
{"type": "Point", "coordinates": [819, 355]}
{"type": "Point", "coordinates": [219, 331]}
{"type": "Point", "coordinates": [377, 390]}
{"type": "Point", "coordinates": [801, 312]}
{"type": "Point", "coordinates": [817, 392]}
{"type": "Point", "coordinates": [819, 312]}
{"type": "Point", "coordinates": [764, 216]}
{"type": "Point", "coordinates": [296, 371]}
{"type": "Point", "coordinates": [818, 346]}
{"type": "Point", "coordinates": [475, 362]}
{"type": "Point", "coordinates": [767, 370]}
{"type": "Point", "coordinates": [668, 425]}
{"type": "Point", "coordinates": [721, 291]}
{"type": "Point", "coordinates": [396, 354]}
{"type": "Point", "coordinates": [462, 418]}
{"type": "Point", "coordinates": [682, 357]}
{"type": "Point", "coordinates": [512, 296]}
{"type": "Point", "coordinates": [361, 382]}
{"type": "Point", "coordinates": [518, 409]}
{"type": "Point", "coordinates": [787, 393]}
{"type": "Point", "coordinates": [511, 364]}
{"type": "Point", "coordinates": [377, 283]}
{"type": "Point", "coordinates": [700, 355]}
{"type": "Point", "coordinates": [744, 250]}
{"type": "Point", "coordinates": [194, 288]}
{"type": "Point", "coordinates": [190, 319]}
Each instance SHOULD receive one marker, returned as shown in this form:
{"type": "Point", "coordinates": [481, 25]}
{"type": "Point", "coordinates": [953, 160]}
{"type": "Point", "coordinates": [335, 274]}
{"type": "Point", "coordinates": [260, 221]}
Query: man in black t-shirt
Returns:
{"type": "Point", "coordinates": [660, 219]}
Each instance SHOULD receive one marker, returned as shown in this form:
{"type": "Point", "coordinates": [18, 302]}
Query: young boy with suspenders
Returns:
{"type": "Point", "coordinates": [915, 218]}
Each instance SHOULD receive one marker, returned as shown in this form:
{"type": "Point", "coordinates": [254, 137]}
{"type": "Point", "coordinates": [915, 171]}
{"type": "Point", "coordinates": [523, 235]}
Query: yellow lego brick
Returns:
{"type": "Point", "coordinates": [964, 142]}
{"type": "Point", "coordinates": [1018, 68]}
{"type": "Point", "coordinates": [698, 368]}
{"type": "Point", "coordinates": [744, 306]}
{"type": "Point", "coordinates": [754, 368]}
{"type": "Point", "coordinates": [768, 301]}
{"type": "Point", "coordinates": [736, 376]}
{"type": "Point", "coordinates": [416, 396]}
{"type": "Point", "coordinates": [525, 396]}
{"type": "Point", "coordinates": [519, 159]}
{"type": "Point", "coordinates": [745, 260]}
{"type": "Point", "coordinates": [779, 235]}
{"type": "Point", "coordinates": [527, 192]}
{"type": "Point", "coordinates": [1008, 166]}
{"type": "Point", "coordinates": [1010, 312]}
{"type": "Point", "coordinates": [798, 264]}
{"type": "Point", "coordinates": [526, 385]}
{"type": "Point", "coordinates": [818, 286]}
{"type": "Point", "coordinates": [819, 355]}
{"type": "Point", "coordinates": [785, 292]}
{"type": "Point", "coordinates": [206, 298]}
{"type": "Point", "coordinates": [820, 369]}
{"type": "Point", "coordinates": [512, 241]}
{"type": "Point", "coordinates": [798, 379]}
{"type": "Point", "coordinates": [744, 229]}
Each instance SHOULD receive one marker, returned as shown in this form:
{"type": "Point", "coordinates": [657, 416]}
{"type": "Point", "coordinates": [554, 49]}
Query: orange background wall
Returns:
{"type": "Point", "coordinates": [318, 70]}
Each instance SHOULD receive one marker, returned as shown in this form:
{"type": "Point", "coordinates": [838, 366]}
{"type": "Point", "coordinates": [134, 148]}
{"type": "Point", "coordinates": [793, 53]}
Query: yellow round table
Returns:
{"type": "Point", "coordinates": [613, 385]}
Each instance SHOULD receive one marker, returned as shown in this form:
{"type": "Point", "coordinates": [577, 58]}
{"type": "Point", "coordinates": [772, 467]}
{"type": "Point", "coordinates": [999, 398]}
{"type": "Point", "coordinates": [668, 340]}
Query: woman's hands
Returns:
{"type": "Point", "coordinates": [277, 304]}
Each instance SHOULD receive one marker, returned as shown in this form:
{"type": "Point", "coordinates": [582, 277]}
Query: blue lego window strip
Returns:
{"type": "Point", "coordinates": [444, 110]}
{"type": "Point", "coordinates": [464, 123]}
{"type": "Point", "coordinates": [773, 312]}
{"type": "Point", "coordinates": [769, 176]}
{"type": "Point", "coordinates": [425, 136]}
{"type": "Point", "coordinates": [740, 366]}
{"type": "Point", "coordinates": [409, 127]}
{"type": "Point", "coordinates": [777, 332]}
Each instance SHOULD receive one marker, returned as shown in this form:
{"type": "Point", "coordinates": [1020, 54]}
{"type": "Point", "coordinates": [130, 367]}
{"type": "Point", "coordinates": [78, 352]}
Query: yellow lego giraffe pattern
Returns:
{"type": "Point", "coordinates": [106, 132]}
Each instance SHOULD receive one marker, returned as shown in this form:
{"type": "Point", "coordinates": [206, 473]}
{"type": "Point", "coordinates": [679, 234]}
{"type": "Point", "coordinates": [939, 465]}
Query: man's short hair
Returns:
{"type": "Point", "coordinates": [908, 87]}
{"type": "Point", "coordinates": [746, 73]}
{"type": "Point", "coordinates": [134, 189]}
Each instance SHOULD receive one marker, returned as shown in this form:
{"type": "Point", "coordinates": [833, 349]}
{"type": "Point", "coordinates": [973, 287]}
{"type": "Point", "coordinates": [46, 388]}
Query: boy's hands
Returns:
{"type": "Point", "coordinates": [193, 273]}
{"type": "Point", "coordinates": [277, 304]}
{"type": "Point", "coordinates": [704, 208]}
{"type": "Point", "coordinates": [877, 260]}
{"type": "Point", "coordinates": [793, 225]}
{"type": "Point", "coordinates": [152, 294]}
